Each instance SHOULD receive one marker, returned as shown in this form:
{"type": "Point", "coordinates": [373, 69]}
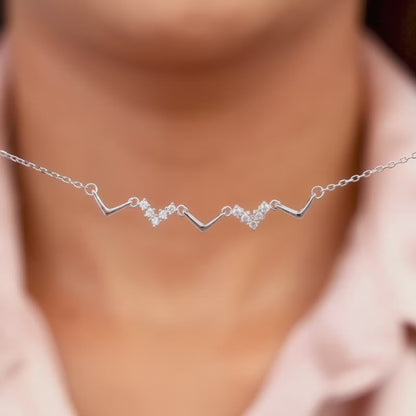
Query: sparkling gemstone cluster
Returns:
{"type": "Point", "coordinates": [156, 217]}
{"type": "Point", "coordinates": [252, 219]}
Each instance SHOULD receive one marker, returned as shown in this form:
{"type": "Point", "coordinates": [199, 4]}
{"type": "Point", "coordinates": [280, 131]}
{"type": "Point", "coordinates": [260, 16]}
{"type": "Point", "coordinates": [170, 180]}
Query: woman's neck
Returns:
{"type": "Point", "coordinates": [269, 123]}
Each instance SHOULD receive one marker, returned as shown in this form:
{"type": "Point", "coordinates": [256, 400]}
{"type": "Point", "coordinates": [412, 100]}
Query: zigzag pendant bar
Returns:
{"type": "Point", "coordinates": [109, 211]}
{"type": "Point", "coordinates": [201, 226]}
{"type": "Point", "coordinates": [250, 218]}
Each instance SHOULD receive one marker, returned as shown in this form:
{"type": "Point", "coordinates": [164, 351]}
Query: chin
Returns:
{"type": "Point", "coordinates": [183, 30]}
{"type": "Point", "coordinates": [156, 31]}
{"type": "Point", "coordinates": [173, 31]}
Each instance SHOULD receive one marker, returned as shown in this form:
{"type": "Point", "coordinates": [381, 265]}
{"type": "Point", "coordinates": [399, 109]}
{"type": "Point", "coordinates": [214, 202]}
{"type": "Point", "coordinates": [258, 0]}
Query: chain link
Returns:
{"type": "Point", "coordinates": [182, 210]}
{"type": "Point", "coordinates": [41, 169]}
{"type": "Point", "coordinates": [319, 191]}
{"type": "Point", "coordinates": [227, 211]}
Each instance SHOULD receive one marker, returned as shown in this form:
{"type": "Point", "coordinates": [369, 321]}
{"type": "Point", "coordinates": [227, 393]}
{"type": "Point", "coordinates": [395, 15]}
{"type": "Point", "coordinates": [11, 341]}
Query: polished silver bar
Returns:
{"type": "Point", "coordinates": [200, 225]}
{"type": "Point", "coordinates": [109, 211]}
{"type": "Point", "coordinates": [296, 213]}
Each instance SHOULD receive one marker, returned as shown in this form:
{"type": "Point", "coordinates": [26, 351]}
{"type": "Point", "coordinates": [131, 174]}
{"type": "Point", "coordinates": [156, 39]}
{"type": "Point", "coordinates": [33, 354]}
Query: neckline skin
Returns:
{"type": "Point", "coordinates": [174, 149]}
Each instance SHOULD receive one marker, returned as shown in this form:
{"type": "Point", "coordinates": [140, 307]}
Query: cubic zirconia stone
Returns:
{"type": "Point", "coordinates": [258, 216]}
{"type": "Point", "coordinates": [171, 208]}
{"type": "Point", "coordinates": [238, 211]}
{"type": "Point", "coordinates": [155, 221]}
{"type": "Point", "coordinates": [245, 217]}
{"type": "Point", "coordinates": [163, 215]}
{"type": "Point", "coordinates": [144, 204]}
{"type": "Point", "coordinates": [265, 207]}
{"type": "Point", "coordinates": [150, 212]}
{"type": "Point", "coordinates": [253, 224]}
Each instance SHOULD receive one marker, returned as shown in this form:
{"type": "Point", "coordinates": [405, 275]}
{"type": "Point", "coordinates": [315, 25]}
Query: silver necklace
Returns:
{"type": "Point", "coordinates": [251, 218]}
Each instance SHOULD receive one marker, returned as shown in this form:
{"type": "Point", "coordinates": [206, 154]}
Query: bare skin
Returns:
{"type": "Point", "coordinates": [201, 103]}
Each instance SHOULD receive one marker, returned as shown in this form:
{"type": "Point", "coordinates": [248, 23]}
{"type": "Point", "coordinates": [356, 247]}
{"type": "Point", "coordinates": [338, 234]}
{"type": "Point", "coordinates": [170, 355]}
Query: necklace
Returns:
{"type": "Point", "coordinates": [251, 218]}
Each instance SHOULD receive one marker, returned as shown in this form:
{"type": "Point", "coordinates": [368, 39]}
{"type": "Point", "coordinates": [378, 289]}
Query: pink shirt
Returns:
{"type": "Point", "coordinates": [357, 344]}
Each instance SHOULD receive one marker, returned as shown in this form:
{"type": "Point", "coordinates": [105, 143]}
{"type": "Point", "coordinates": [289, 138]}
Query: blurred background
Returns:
{"type": "Point", "coordinates": [393, 20]}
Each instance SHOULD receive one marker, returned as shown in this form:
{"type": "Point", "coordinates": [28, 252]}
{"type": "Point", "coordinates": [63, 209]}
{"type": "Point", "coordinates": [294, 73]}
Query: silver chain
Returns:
{"type": "Point", "coordinates": [251, 218]}
{"type": "Point", "coordinates": [320, 190]}
{"type": "Point", "coordinates": [41, 169]}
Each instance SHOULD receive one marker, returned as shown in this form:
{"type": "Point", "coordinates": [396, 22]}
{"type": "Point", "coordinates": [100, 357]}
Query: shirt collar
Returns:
{"type": "Point", "coordinates": [354, 337]}
{"type": "Point", "coordinates": [30, 374]}
{"type": "Point", "coordinates": [388, 213]}
{"type": "Point", "coordinates": [10, 246]}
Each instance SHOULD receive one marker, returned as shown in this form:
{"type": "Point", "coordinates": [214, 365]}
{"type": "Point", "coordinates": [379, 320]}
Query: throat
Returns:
{"type": "Point", "coordinates": [270, 125]}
